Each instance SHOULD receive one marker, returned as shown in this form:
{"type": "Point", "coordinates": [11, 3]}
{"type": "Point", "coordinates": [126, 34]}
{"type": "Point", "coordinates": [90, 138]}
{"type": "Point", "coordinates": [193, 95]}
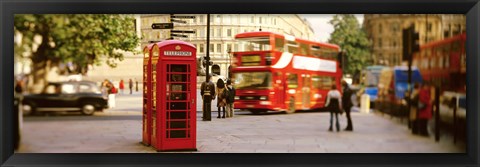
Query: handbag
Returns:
{"type": "Point", "coordinates": [421, 105]}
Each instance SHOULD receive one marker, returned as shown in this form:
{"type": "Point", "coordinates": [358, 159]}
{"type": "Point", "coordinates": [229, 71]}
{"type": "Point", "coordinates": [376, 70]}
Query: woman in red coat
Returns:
{"type": "Point", "coordinates": [424, 109]}
{"type": "Point", "coordinates": [121, 86]}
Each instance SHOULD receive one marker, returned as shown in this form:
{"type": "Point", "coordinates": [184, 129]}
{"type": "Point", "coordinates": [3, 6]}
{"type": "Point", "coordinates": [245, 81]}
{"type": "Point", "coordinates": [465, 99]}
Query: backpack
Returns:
{"type": "Point", "coordinates": [231, 95]}
{"type": "Point", "coordinates": [225, 93]}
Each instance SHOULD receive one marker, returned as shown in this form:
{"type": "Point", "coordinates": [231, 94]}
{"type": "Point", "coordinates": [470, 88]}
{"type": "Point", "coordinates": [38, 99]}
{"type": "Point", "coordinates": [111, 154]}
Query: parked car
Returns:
{"type": "Point", "coordinates": [83, 96]}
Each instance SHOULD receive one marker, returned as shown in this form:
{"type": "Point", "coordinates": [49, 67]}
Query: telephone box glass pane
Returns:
{"type": "Point", "coordinates": [178, 115]}
{"type": "Point", "coordinates": [177, 124]}
{"type": "Point", "coordinates": [178, 134]}
{"type": "Point", "coordinates": [177, 106]}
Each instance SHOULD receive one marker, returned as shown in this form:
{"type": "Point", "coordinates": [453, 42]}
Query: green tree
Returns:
{"type": "Point", "coordinates": [79, 40]}
{"type": "Point", "coordinates": [353, 40]}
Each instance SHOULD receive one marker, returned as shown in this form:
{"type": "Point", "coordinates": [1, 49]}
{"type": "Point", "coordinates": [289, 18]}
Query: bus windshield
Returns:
{"type": "Point", "coordinates": [254, 44]}
{"type": "Point", "coordinates": [253, 80]}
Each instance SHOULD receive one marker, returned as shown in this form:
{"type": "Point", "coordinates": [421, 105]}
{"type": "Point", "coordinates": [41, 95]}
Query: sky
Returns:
{"type": "Point", "coordinates": [320, 25]}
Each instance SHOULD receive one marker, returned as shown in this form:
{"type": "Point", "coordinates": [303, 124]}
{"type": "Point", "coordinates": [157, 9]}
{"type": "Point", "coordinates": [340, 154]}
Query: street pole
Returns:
{"type": "Point", "coordinates": [207, 58]}
{"type": "Point", "coordinates": [410, 86]}
{"type": "Point", "coordinates": [207, 101]}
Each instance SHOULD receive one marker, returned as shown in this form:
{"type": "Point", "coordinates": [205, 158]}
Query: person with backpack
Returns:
{"type": "Point", "coordinates": [230, 94]}
{"type": "Point", "coordinates": [207, 91]}
{"type": "Point", "coordinates": [222, 100]}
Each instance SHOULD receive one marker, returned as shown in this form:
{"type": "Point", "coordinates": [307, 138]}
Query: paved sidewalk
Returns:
{"type": "Point", "coordinates": [120, 132]}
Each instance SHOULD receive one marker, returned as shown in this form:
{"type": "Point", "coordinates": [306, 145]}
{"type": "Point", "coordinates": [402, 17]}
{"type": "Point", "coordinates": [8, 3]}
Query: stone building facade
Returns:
{"type": "Point", "coordinates": [385, 32]}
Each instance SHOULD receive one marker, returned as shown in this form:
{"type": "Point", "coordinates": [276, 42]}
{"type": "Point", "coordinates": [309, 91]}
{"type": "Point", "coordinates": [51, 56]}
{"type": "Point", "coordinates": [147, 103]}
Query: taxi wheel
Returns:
{"type": "Point", "coordinates": [88, 109]}
{"type": "Point", "coordinates": [291, 106]}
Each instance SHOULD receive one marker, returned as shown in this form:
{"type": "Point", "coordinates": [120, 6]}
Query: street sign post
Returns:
{"type": "Point", "coordinates": [162, 25]}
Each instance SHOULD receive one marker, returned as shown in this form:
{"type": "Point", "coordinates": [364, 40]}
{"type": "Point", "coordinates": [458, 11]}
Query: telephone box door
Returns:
{"type": "Point", "coordinates": [180, 109]}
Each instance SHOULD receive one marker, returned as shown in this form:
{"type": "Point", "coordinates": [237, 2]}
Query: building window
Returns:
{"type": "Point", "coordinates": [218, 18]}
{"type": "Point", "coordinates": [219, 32]}
{"type": "Point", "coordinates": [379, 42]}
{"type": "Point", "coordinates": [201, 19]}
{"type": "Point", "coordinates": [211, 48]}
{"type": "Point", "coordinates": [229, 48]}
{"type": "Point", "coordinates": [379, 28]}
{"type": "Point", "coordinates": [229, 32]}
{"type": "Point", "coordinates": [252, 20]}
{"type": "Point", "coordinates": [260, 20]}
{"type": "Point", "coordinates": [394, 44]}
{"type": "Point", "coordinates": [202, 33]}
{"type": "Point", "coordinates": [395, 27]}
{"type": "Point", "coordinates": [235, 48]}
{"type": "Point", "coordinates": [219, 48]}
{"type": "Point", "coordinates": [429, 27]}
{"type": "Point", "coordinates": [201, 48]}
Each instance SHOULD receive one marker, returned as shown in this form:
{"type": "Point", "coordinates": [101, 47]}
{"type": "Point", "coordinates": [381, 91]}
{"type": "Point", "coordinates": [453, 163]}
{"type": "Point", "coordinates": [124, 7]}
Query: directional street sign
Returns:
{"type": "Point", "coordinates": [182, 17]}
{"type": "Point", "coordinates": [178, 21]}
{"type": "Point", "coordinates": [182, 31]}
{"type": "Point", "coordinates": [162, 25]}
{"type": "Point", "coordinates": [178, 35]}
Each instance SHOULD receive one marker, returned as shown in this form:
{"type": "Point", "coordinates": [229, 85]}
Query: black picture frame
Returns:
{"type": "Point", "coordinates": [10, 7]}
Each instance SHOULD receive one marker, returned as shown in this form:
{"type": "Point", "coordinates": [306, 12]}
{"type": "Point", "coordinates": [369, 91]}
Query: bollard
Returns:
{"type": "Point", "coordinates": [365, 104]}
{"type": "Point", "coordinates": [207, 108]}
{"type": "Point", "coordinates": [454, 103]}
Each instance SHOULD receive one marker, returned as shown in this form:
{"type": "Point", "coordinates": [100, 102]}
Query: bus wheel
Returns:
{"type": "Point", "coordinates": [291, 107]}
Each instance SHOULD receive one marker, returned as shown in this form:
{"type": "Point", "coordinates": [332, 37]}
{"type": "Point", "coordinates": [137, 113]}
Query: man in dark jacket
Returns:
{"type": "Point", "coordinates": [347, 104]}
{"type": "Point", "coordinates": [207, 91]}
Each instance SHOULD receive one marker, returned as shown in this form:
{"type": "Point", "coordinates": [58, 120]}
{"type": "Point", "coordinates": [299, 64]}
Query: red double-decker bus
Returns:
{"type": "Point", "coordinates": [275, 72]}
{"type": "Point", "coordinates": [443, 63]}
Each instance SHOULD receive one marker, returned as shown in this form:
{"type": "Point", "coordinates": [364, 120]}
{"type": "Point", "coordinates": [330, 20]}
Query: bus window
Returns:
{"type": "Point", "coordinates": [304, 49]}
{"type": "Point", "coordinates": [255, 44]}
{"type": "Point", "coordinates": [323, 82]}
{"type": "Point", "coordinates": [253, 80]}
{"type": "Point", "coordinates": [292, 80]}
{"type": "Point", "coordinates": [315, 51]}
{"type": "Point", "coordinates": [292, 47]}
{"type": "Point", "coordinates": [279, 44]}
{"type": "Point", "coordinates": [328, 53]}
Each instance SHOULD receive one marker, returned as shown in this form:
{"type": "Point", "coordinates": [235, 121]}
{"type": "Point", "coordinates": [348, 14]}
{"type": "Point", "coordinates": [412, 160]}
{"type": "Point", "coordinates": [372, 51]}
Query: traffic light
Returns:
{"type": "Point", "coordinates": [415, 41]}
{"type": "Point", "coordinates": [411, 43]}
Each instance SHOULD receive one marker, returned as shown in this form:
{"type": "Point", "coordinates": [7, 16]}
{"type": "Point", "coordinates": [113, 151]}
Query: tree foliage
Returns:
{"type": "Point", "coordinates": [352, 39]}
{"type": "Point", "coordinates": [77, 39]}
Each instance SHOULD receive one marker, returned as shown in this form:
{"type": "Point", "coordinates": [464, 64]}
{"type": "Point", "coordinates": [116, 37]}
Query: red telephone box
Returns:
{"type": "Point", "coordinates": [175, 123]}
{"type": "Point", "coordinates": [147, 105]}
{"type": "Point", "coordinates": [153, 95]}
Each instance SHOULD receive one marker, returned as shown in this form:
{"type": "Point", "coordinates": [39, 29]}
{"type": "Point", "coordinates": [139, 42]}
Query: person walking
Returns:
{"type": "Point", "coordinates": [221, 99]}
{"type": "Point", "coordinates": [207, 91]}
{"type": "Point", "coordinates": [413, 122]}
{"type": "Point", "coordinates": [136, 85]}
{"type": "Point", "coordinates": [424, 109]}
{"type": "Point", "coordinates": [130, 85]}
{"type": "Point", "coordinates": [121, 85]}
{"type": "Point", "coordinates": [347, 104]}
{"type": "Point", "coordinates": [334, 99]}
{"type": "Point", "coordinates": [230, 99]}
